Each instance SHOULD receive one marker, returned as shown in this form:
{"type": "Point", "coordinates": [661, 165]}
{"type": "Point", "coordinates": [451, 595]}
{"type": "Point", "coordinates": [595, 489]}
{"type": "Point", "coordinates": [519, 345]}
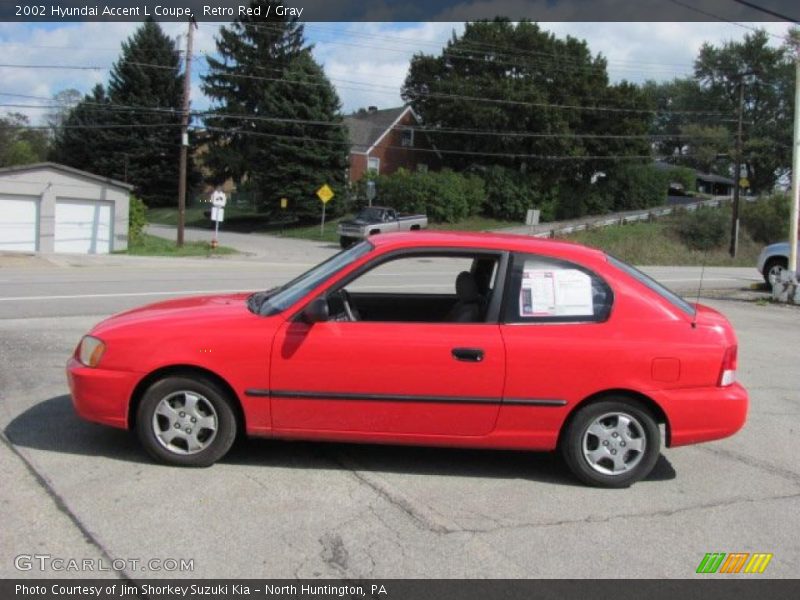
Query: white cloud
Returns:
{"type": "Point", "coordinates": [368, 62]}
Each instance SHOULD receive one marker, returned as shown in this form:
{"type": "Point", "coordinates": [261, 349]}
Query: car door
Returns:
{"type": "Point", "coordinates": [558, 339]}
{"type": "Point", "coordinates": [395, 377]}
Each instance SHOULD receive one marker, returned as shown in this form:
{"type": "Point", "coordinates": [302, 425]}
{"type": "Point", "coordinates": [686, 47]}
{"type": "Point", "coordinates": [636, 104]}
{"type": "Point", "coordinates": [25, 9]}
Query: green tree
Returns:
{"type": "Point", "coordinates": [276, 125]}
{"type": "Point", "coordinates": [131, 131]}
{"type": "Point", "coordinates": [79, 140]}
{"type": "Point", "coordinates": [65, 101]}
{"type": "Point", "coordinates": [20, 143]}
{"type": "Point", "coordinates": [768, 99]}
{"type": "Point", "coordinates": [501, 77]}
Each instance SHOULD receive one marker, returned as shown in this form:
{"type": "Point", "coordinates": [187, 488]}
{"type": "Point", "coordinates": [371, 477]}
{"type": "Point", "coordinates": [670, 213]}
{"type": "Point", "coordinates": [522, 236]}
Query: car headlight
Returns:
{"type": "Point", "coordinates": [90, 351]}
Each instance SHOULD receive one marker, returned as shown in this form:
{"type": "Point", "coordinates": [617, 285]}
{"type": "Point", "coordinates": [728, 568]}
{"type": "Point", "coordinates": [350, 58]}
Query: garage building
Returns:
{"type": "Point", "coordinates": [48, 207]}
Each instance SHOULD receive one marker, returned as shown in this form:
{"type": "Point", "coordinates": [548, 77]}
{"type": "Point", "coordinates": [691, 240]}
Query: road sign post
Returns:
{"type": "Point", "coordinates": [218, 202]}
{"type": "Point", "coordinates": [324, 193]}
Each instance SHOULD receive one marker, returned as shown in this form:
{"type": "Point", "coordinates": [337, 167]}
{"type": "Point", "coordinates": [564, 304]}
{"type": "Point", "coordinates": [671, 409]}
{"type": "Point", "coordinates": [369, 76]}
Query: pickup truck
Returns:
{"type": "Point", "coordinates": [377, 219]}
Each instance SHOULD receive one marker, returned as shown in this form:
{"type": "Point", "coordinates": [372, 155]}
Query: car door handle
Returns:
{"type": "Point", "coordinates": [468, 354]}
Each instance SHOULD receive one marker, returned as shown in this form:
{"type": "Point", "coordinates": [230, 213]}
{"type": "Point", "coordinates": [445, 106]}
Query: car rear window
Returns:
{"type": "Point", "coordinates": [548, 290]}
{"type": "Point", "coordinates": [651, 283]}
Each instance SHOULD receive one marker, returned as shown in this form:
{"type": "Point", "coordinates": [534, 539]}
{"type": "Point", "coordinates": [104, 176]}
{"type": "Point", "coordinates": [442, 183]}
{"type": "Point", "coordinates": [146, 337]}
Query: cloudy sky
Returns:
{"type": "Point", "coordinates": [367, 62]}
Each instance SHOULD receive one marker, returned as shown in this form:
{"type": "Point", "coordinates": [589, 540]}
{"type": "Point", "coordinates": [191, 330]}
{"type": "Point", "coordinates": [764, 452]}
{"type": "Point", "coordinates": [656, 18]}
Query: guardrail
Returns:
{"type": "Point", "coordinates": [623, 218]}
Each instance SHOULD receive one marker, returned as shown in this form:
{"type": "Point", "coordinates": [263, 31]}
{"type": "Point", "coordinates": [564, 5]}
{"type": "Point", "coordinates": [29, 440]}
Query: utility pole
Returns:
{"type": "Point", "coordinates": [187, 87]}
{"type": "Point", "coordinates": [795, 202]}
{"type": "Point", "coordinates": [737, 172]}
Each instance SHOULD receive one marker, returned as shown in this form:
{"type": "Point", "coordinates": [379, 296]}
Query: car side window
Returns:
{"type": "Point", "coordinates": [547, 290]}
{"type": "Point", "coordinates": [421, 288]}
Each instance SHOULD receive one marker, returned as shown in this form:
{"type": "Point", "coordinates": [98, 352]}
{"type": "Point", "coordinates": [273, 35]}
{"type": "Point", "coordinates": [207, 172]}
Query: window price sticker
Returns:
{"type": "Point", "coordinates": [555, 293]}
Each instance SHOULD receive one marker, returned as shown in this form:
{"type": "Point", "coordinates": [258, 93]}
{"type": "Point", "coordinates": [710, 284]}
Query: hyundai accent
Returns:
{"type": "Point", "coordinates": [429, 338]}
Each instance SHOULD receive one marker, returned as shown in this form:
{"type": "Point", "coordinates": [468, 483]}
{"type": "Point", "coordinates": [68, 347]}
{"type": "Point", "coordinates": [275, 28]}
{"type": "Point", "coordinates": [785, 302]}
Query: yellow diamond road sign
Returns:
{"type": "Point", "coordinates": [325, 193]}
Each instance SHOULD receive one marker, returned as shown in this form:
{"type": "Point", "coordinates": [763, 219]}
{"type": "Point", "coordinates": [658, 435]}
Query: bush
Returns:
{"type": "Point", "coordinates": [444, 196]}
{"type": "Point", "coordinates": [702, 229]}
{"type": "Point", "coordinates": [636, 186]}
{"type": "Point", "coordinates": [683, 175]}
{"type": "Point", "coordinates": [767, 219]}
{"type": "Point", "coordinates": [509, 194]}
{"type": "Point", "coordinates": [137, 219]}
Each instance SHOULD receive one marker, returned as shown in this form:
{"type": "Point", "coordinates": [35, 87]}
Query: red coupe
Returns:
{"type": "Point", "coordinates": [449, 339]}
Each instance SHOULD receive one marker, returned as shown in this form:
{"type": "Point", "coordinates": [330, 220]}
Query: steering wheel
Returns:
{"type": "Point", "coordinates": [349, 308]}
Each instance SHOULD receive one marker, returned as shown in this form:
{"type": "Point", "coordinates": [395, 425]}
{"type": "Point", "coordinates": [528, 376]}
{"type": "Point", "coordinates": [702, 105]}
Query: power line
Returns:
{"type": "Point", "coordinates": [719, 18]}
{"type": "Point", "coordinates": [88, 67]}
{"type": "Point", "coordinates": [306, 139]}
{"type": "Point", "coordinates": [94, 126]}
{"type": "Point", "coordinates": [417, 128]}
{"type": "Point", "coordinates": [767, 11]}
{"type": "Point", "coordinates": [471, 46]}
{"type": "Point", "coordinates": [412, 93]}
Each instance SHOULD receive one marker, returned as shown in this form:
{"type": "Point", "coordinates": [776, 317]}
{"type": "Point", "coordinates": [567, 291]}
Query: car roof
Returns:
{"type": "Point", "coordinates": [494, 241]}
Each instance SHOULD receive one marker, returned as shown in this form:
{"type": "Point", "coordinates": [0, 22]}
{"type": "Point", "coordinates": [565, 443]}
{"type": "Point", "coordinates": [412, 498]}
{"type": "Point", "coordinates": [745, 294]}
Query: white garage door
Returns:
{"type": "Point", "coordinates": [83, 227]}
{"type": "Point", "coordinates": [18, 219]}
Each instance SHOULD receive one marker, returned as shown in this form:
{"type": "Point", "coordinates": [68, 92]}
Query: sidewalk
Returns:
{"type": "Point", "coordinates": [255, 246]}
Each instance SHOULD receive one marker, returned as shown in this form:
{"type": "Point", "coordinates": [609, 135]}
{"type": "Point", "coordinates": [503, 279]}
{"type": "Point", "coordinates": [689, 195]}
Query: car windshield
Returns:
{"type": "Point", "coordinates": [279, 299]}
{"type": "Point", "coordinates": [651, 283]}
{"type": "Point", "coordinates": [371, 214]}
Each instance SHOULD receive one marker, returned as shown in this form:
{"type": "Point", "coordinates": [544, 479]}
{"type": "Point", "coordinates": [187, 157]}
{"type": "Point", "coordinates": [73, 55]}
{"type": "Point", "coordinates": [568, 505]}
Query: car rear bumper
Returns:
{"type": "Point", "coordinates": [100, 395]}
{"type": "Point", "coordinates": [705, 414]}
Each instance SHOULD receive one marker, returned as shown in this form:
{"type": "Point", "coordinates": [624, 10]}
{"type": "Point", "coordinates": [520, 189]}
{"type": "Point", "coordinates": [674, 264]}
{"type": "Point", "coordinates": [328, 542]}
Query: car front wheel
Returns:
{"type": "Point", "coordinates": [186, 421]}
{"type": "Point", "coordinates": [612, 443]}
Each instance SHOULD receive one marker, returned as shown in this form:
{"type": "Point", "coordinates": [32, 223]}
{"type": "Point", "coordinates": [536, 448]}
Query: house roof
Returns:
{"type": "Point", "coordinates": [65, 169]}
{"type": "Point", "coordinates": [366, 128]}
{"type": "Point", "coordinates": [712, 178]}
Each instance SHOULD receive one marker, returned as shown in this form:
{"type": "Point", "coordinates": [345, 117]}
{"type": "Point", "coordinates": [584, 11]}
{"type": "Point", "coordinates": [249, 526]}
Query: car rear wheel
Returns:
{"type": "Point", "coordinates": [773, 269]}
{"type": "Point", "coordinates": [186, 421]}
{"type": "Point", "coordinates": [612, 443]}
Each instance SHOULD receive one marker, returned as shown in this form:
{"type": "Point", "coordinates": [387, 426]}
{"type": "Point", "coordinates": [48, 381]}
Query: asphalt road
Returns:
{"type": "Point", "coordinates": [276, 509]}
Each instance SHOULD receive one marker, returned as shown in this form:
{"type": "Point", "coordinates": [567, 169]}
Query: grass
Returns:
{"type": "Point", "coordinates": [650, 243]}
{"type": "Point", "coordinates": [244, 220]}
{"type": "Point", "coordinates": [152, 245]}
{"type": "Point", "coordinates": [655, 243]}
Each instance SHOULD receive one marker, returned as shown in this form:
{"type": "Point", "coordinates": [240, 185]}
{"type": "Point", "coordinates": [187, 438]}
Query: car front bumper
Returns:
{"type": "Point", "coordinates": [100, 395]}
{"type": "Point", "coordinates": [704, 414]}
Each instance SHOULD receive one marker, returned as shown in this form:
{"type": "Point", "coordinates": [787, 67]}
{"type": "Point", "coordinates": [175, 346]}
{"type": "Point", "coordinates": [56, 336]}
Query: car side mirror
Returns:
{"type": "Point", "coordinates": [316, 311]}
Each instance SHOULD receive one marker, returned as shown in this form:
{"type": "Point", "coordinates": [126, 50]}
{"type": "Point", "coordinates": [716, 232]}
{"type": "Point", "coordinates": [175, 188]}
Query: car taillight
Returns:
{"type": "Point", "coordinates": [727, 374]}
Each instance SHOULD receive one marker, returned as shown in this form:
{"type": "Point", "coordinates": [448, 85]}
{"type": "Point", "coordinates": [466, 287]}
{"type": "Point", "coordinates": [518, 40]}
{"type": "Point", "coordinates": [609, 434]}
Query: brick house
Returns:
{"type": "Point", "coordinates": [385, 141]}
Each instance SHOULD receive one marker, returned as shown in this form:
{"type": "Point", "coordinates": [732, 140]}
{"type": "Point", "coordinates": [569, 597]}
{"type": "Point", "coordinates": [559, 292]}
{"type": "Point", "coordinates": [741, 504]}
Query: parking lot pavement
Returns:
{"type": "Point", "coordinates": [280, 509]}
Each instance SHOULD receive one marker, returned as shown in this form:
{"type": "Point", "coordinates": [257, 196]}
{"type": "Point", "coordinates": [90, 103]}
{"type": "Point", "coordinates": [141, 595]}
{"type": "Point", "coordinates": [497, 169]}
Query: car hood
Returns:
{"type": "Point", "coordinates": [193, 309]}
{"type": "Point", "coordinates": [779, 248]}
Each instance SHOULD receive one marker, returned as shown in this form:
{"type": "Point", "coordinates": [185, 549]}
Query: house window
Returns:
{"type": "Point", "coordinates": [374, 164]}
{"type": "Point", "coordinates": [407, 140]}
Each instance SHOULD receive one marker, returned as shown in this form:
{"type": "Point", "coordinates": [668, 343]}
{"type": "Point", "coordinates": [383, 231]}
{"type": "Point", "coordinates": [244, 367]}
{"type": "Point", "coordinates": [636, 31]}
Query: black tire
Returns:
{"type": "Point", "coordinates": [772, 263]}
{"type": "Point", "coordinates": [212, 404]}
{"type": "Point", "coordinates": [642, 424]}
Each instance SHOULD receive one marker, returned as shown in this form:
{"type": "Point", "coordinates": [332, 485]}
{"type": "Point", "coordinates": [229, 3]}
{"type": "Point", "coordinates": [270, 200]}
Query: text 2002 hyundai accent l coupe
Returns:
{"type": "Point", "coordinates": [473, 340]}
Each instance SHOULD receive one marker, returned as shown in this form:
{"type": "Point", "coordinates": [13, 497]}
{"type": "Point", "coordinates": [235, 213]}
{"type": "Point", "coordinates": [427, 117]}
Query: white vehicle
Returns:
{"type": "Point", "coordinates": [773, 260]}
{"type": "Point", "coordinates": [377, 219]}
